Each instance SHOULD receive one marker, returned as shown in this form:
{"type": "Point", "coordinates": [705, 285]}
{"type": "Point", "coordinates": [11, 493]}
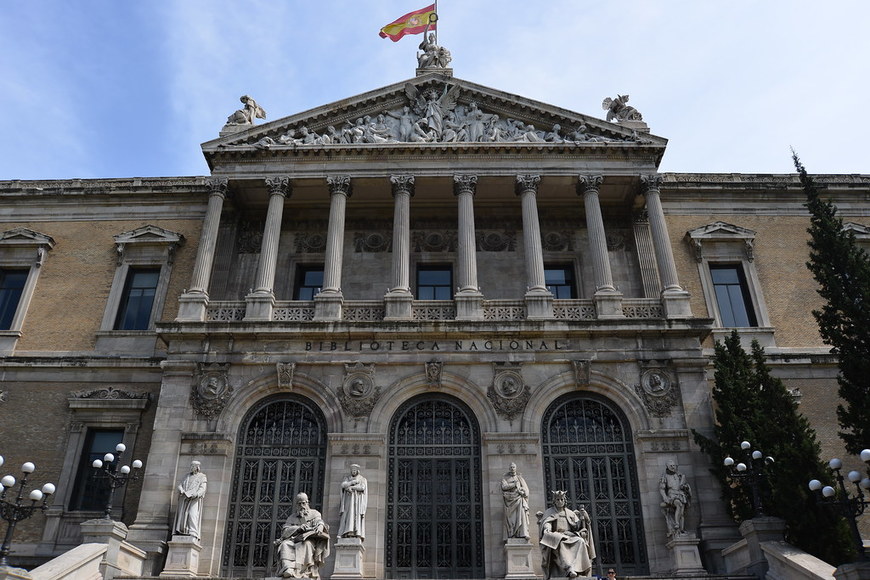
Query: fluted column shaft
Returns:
{"type": "Point", "coordinates": [279, 189]}
{"type": "Point", "coordinates": [527, 189]}
{"type": "Point", "coordinates": [588, 186]}
{"type": "Point", "coordinates": [403, 190]}
{"type": "Point", "coordinates": [340, 191]}
{"type": "Point", "coordinates": [208, 239]}
{"type": "Point", "coordinates": [464, 188]}
{"type": "Point", "coordinates": [661, 240]}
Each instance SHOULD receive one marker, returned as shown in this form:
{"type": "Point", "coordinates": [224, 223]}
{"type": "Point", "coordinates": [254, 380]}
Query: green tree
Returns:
{"type": "Point", "coordinates": [842, 270]}
{"type": "Point", "coordinates": [752, 405]}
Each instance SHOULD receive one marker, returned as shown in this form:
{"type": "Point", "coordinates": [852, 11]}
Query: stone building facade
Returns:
{"type": "Point", "coordinates": [432, 280]}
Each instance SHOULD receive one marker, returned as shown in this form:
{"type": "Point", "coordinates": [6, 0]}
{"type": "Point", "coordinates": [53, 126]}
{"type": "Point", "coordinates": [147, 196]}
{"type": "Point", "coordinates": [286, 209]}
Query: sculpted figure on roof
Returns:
{"type": "Point", "coordinates": [246, 115]}
{"type": "Point", "coordinates": [619, 110]}
{"type": "Point", "coordinates": [432, 55]}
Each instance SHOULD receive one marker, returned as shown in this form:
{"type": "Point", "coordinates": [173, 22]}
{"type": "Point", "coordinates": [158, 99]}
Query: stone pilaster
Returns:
{"type": "Point", "coordinates": [194, 301]}
{"type": "Point", "coordinates": [469, 300]}
{"type": "Point", "coordinates": [327, 304]}
{"type": "Point", "coordinates": [539, 300]}
{"type": "Point", "coordinates": [608, 301]}
{"type": "Point", "coordinates": [261, 301]}
{"type": "Point", "coordinates": [398, 298]}
{"type": "Point", "coordinates": [675, 300]}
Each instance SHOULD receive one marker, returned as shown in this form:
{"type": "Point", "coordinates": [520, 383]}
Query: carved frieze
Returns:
{"type": "Point", "coordinates": [211, 390]}
{"type": "Point", "coordinates": [372, 242]}
{"type": "Point", "coordinates": [496, 240]}
{"type": "Point", "coordinates": [434, 241]}
{"type": "Point", "coordinates": [358, 392]}
{"type": "Point", "coordinates": [562, 241]}
{"type": "Point", "coordinates": [250, 236]}
{"type": "Point", "coordinates": [310, 242]}
{"type": "Point", "coordinates": [508, 393]}
{"type": "Point", "coordinates": [285, 374]}
{"type": "Point", "coordinates": [109, 393]}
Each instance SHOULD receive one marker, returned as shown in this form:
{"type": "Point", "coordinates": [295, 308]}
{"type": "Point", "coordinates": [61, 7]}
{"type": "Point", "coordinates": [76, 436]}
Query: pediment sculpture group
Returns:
{"type": "Point", "coordinates": [566, 536]}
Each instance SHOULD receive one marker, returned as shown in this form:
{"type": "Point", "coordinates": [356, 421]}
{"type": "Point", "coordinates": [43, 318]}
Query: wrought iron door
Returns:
{"type": "Point", "coordinates": [280, 452]}
{"type": "Point", "coordinates": [434, 501]}
{"type": "Point", "coordinates": [588, 453]}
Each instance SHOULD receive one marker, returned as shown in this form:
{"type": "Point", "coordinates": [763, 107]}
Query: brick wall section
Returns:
{"type": "Point", "coordinates": [70, 296]}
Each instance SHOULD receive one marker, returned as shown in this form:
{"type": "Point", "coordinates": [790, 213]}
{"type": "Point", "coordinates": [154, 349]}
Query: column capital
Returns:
{"type": "Point", "coordinates": [464, 184]}
{"type": "Point", "coordinates": [402, 184]}
{"type": "Point", "coordinates": [339, 184]}
{"type": "Point", "coordinates": [279, 186]}
{"type": "Point", "coordinates": [527, 183]}
{"type": "Point", "coordinates": [651, 182]}
{"type": "Point", "coordinates": [218, 186]}
{"type": "Point", "coordinates": [589, 183]}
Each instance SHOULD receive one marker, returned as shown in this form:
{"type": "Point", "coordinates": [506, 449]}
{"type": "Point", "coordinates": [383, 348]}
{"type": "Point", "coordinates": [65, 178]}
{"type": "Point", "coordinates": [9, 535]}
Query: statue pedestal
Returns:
{"type": "Point", "coordinates": [348, 559]}
{"type": "Point", "coordinates": [183, 557]}
{"type": "Point", "coordinates": [687, 558]}
{"type": "Point", "coordinates": [518, 559]}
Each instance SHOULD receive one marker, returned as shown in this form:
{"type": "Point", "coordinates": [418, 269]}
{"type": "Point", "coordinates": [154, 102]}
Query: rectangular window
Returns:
{"type": "Point", "coordinates": [434, 282]}
{"type": "Point", "coordinates": [11, 287]}
{"type": "Point", "coordinates": [732, 295]}
{"type": "Point", "coordinates": [90, 494]}
{"type": "Point", "coordinates": [309, 281]}
{"type": "Point", "coordinates": [137, 300]}
{"type": "Point", "coordinates": [560, 281]}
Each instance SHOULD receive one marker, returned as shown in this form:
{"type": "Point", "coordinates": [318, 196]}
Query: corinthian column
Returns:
{"type": "Point", "coordinates": [398, 298]}
{"type": "Point", "coordinates": [193, 302]}
{"type": "Point", "coordinates": [328, 302]}
{"type": "Point", "coordinates": [469, 300]}
{"type": "Point", "coordinates": [608, 302]}
{"type": "Point", "coordinates": [675, 300]}
{"type": "Point", "coordinates": [261, 301]}
{"type": "Point", "coordinates": [539, 300]}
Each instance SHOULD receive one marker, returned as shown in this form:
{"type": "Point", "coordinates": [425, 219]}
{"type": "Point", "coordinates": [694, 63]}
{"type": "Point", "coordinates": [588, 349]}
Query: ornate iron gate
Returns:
{"type": "Point", "coordinates": [588, 453]}
{"type": "Point", "coordinates": [280, 452]}
{"type": "Point", "coordinates": [434, 501]}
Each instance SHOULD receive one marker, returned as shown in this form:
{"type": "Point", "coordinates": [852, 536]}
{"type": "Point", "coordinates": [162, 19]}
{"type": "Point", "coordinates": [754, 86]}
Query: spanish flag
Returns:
{"type": "Point", "coordinates": [411, 23]}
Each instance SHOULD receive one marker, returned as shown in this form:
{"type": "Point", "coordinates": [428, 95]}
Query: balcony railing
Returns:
{"type": "Point", "coordinates": [493, 310]}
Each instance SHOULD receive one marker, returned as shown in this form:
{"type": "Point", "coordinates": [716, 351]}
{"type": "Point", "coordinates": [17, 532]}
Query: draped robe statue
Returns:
{"type": "Point", "coordinates": [191, 491]}
{"type": "Point", "coordinates": [515, 493]}
{"type": "Point", "coordinates": [567, 546]}
{"type": "Point", "coordinates": [304, 542]}
{"type": "Point", "coordinates": [354, 500]}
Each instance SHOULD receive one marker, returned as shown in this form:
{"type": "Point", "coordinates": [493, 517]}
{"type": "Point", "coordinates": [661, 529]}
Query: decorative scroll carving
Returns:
{"type": "Point", "coordinates": [310, 243]}
{"type": "Point", "coordinates": [4, 396]}
{"type": "Point", "coordinates": [464, 184]}
{"type": "Point", "coordinates": [508, 393]}
{"type": "Point", "coordinates": [651, 182]}
{"type": "Point", "coordinates": [582, 372]}
{"type": "Point", "coordinates": [496, 241]}
{"type": "Point", "coordinates": [589, 183]}
{"type": "Point", "coordinates": [285, 374]}
{"type": "Point", "coordinates": [526, 183]}
{"type": "Point", "coordinates": [558, 241]}
{"type": "Point", "coordinates": [279, 185]}
{"type": "Point", "coordinates": [372, 242]}
{"type": "Point", "coordinates": [109, 393]}
{"type": "Point", "coordinates": [434, 241]}
{"type": "Point", "coordinates": [657, 391]}
{"type": "Point", "coordinates": [339, 184]}
{"type": "Point", "coordinates": [616, 240]}
{"type": "Point", "coordinates": [402, 183]}
{"type": "Point", "coordinates": [211, 391]}
{"type": "Point", "coordinates": [358, 393]}
{"type": "Point", "coordinates": [218, 185]}
{"type": "Point", "coordinates": [250, 236]}
{"type": "Point", "coordinates": [433, 374]}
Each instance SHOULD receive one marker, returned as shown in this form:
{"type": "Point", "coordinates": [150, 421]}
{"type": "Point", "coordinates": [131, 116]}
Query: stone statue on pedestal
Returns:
{"type": "Point", "coordinates": [515, 493]}
{"type": "Point", "coordinates": [191, 491]}
{"type": "Point", "coordinates": [676, 497]}
{"type": "Point", "coordinates": [354, 500]}
{"type": "Point", "coordinates": [567, 544]}
{"type": "Point", "coordinates": [304, 543]}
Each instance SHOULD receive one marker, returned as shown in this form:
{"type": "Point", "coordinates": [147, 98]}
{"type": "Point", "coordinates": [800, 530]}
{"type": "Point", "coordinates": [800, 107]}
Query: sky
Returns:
{"type": "Point", "coordinates": [123, 88]}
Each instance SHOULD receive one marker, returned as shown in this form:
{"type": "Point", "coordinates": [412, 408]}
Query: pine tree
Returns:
{"type": "Point", "coordinates": [752, 405]}
{"type": "Point", "coordinates": [842, 270]}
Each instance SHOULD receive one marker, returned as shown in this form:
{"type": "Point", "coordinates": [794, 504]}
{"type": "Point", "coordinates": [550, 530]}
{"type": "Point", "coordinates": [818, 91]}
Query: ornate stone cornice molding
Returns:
{"type": "Point", "coordinates": [464, 184]}
{"type": "Point", "coordinates": [339, 184]}
{"type": "Point", "coordinates": [402, 184]}
{"type": "Point", "coordinates": [589, 183]}
{"type": "Point", "coordinates": [148, 235]}
{"type": "Point", "coordinates": [279, 186]}
{"type": "Point", "coordinates": [526, 183]}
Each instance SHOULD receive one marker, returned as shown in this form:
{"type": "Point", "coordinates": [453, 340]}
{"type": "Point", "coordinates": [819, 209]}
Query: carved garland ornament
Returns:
{"type": "Point", "coordinates": [358, 393]}
{"type": "Point", "coordinates": [508, 393]}
{"type": "Point", "coordinates": [211, 391]}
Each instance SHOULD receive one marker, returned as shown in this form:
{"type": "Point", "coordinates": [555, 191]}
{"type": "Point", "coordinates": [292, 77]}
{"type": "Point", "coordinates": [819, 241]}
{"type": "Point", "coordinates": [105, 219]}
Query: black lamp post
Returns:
{"type": "Point", "coordinates": [850, 507]}
{"type": "Point", "coordinates": [13, 511]}
{"type": "Point", "coordinates": [107, 470]}
{"type": "Point", "coordinates": [752, 471]}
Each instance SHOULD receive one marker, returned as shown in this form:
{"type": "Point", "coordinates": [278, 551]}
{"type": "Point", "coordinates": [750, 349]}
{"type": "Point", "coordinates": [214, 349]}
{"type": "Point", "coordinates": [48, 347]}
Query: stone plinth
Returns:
{"type": "Point", "coordinates": [111, 533]}
{"type": "Point", "coordinates": [854, 571]}
{"type": "Point", "coordinates": [348, 559]}
{"type": "Point", "coordinates": [686, 557]}
{"type": "Point", "coordinates": [328, 306]}
{"type": "Point", "coordinates": [397, 305]}
{"type": "Point", "coordinates": [539, 305]}
{"type": "Point", "coordinates": [675, 303]}
{"type": "Point", "coordinates": [608, 304]}
{"type": "Point", "coordinates": [469, 306]}
{"type": "Point", "coordinates": [518, 559]}
{"type": "Point", "coordinates": [756, 531]}
{"type": "Point", "coordinates": [183, 557]}
{"type": "Point", "coordinates": [192, 306]}
{"type": "Point", "coordinates": [259, 306]}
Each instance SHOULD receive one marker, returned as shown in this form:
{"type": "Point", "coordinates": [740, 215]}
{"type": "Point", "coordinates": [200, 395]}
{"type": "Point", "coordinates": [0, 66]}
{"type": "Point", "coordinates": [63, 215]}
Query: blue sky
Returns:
{"type": "Point", "coordinates": [118, 88]}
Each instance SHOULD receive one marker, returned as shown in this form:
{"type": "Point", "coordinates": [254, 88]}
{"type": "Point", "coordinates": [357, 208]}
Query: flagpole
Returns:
{"type": "Point", "coordinates": [436, 21]}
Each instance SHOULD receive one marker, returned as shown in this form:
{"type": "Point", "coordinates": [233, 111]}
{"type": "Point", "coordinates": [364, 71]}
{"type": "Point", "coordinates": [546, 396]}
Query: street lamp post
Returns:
{"type": "Point", "coordinates": [107, 469]}
{"type": "Point", "coordinates": [752, 471]}
{"type": "Point", "coordinates": [849, 506]}
{"type": "Point", "coordinates": [14, 511]}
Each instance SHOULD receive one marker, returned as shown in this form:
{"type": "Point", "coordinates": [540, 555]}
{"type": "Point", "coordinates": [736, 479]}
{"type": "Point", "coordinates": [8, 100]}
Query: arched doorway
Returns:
{"type": "Point", "coordinates": [434, 496]}
{"type": "Point", "coordinates": [280, 451]}
{"type": "Point", "coordinates": [588, 452]}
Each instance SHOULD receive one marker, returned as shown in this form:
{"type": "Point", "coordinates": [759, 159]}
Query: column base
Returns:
{"type": "Point", "coordinates": [191, 307]}
{"type": "Point", "coordinates": [608, 304]}
{"type": "Point", "coordinates": [518, 559]}
{"type": "Point", "coordinates": [675, 304]}
{"type": "Point", "coordinates": [327, 306]}
{"type": "Point", "coordinates": [539, 305]}
{"type": "Point", "coordinates": [686, 557]}
{"type": "Point", "coordinates": [348, 559]}
{"type": "Point", "coordinates": [258, 306]}
{"type": "Point", "coordinates": [183, 557]}
{"type": "Point", "coordinates": [397, 305]}
{"type": "Point", "coordinates": [469, 306]}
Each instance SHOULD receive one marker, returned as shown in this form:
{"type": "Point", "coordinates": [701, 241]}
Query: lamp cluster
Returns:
{"type": "Point", "coordinates": [16, 510]}
{"type": "Point", "coordinates": [108, 470]}
{"type": "Point", "coordinates": [752, 471]}
{"type": "Point", "coordinates": [849, 506]}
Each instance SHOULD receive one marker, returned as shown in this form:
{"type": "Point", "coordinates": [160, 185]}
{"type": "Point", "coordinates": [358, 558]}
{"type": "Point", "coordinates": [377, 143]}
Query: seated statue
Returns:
{"type": "Point", "coordinates": [567, 545]}
{"type": "Point", "coordinates": [246, 115]}
{"type": "Point", "coordinates": [304, 542]}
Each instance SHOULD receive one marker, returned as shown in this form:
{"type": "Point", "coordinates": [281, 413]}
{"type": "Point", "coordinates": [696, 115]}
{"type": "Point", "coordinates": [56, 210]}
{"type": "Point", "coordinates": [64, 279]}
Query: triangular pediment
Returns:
{"type": "Point", "coordinates": [148, 235]}
{"type": "Point", "coordinates": [861, 231]}
{"type": "Point", "coordinates": [25, 237]}
{"type": "Point", "coordinates": [720, 231]}
{"type": "Point", "coordinates": [432, 112]}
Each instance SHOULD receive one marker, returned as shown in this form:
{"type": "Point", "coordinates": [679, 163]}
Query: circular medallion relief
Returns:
{"type": "Point", "coordinates": [509, 384]}
{"type": "Point", "coordinates": [656, 382]}
{"type": "Point", "coordinates": [358, 385]}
